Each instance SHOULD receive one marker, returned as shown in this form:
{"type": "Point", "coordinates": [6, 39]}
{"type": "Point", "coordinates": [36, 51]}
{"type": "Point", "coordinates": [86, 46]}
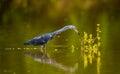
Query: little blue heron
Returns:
{"type": "Point", "coordinates": [42, 40]}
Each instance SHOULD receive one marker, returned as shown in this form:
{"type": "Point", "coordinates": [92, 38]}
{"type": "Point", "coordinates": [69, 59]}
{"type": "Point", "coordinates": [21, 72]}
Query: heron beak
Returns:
{"type": "Point", "coordinates": [76, 31]}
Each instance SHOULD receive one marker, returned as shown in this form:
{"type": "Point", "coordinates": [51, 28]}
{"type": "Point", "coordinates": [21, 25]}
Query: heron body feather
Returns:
{"type": "Point", "coordinates": [43, 39]}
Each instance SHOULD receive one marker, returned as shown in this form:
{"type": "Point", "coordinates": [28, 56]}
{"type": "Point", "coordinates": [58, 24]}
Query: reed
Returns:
{"type": "Point", "coordinates": [90, 46]}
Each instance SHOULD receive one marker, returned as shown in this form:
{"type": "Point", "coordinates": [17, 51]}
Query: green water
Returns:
{"type": "Point", "coordinates": [20, 23]}
{"type": "Point", "coordinates": [67, 58]}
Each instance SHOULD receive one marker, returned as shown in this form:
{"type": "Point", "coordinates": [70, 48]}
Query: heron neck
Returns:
{"type": "Point", "coordinates": [62, 30]}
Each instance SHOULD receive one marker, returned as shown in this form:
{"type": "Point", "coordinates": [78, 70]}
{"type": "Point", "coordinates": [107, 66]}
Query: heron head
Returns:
{"type": "Point", "coordinates": [71, 26]}
{"type": "Point", "coordinates": [74, 28]}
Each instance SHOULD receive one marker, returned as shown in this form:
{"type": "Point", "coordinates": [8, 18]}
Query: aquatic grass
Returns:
{"type": "Point", "coordinates": [90, 47]}
{"type": "Point", "coordinates": [73, 48]}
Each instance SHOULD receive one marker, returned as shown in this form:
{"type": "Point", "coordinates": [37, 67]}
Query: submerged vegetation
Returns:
{"type": "Point", "coordinates": [21, 20]}
{"type": "Point", "coordinates": [90, 48]}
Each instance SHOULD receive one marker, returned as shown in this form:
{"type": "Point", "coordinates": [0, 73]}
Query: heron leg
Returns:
{"type": "Point", "coordinates": [43, 50]}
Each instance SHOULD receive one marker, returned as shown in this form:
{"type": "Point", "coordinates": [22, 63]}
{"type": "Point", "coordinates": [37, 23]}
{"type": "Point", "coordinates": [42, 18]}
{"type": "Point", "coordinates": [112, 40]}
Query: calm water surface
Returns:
{"type": "Point", "coordinates": [63, 55]}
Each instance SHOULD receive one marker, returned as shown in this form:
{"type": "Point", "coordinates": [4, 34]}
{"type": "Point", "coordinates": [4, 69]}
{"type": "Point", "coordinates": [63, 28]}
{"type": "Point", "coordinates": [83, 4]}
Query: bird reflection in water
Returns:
{"type": "Point", "coordinates": [45, 58]}
{"type": "Point", "coordinates": [42, 40]}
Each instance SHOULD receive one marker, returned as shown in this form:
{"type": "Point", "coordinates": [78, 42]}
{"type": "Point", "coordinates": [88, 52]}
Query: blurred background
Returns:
{"type": "Point", "coordinates": [21, 20]}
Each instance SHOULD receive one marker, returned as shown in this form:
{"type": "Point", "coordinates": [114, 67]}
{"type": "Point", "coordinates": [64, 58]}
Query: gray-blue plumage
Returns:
{"type": "Point", "coordinates": [40, 40]}
{"type": "Point", "coordinates": [43, 39]}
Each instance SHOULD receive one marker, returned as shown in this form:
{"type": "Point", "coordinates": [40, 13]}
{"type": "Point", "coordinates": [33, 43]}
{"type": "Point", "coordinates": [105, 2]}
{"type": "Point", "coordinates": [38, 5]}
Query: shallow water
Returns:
{"type": "Point", "coordinates": [63, 53]}
{"type": "Point", "coordinates": [59, 60]}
